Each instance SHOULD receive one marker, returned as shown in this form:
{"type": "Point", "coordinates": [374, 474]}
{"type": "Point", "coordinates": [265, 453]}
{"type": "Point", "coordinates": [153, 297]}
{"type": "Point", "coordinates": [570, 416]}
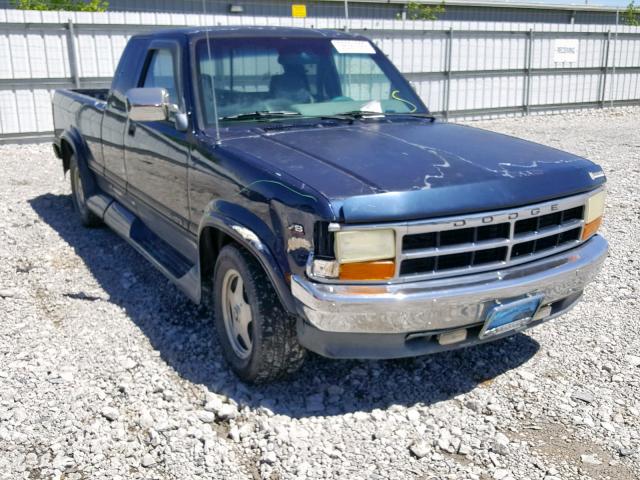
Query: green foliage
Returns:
{"type": "Point", "coordinates": [69, 5]}
{"type": "Point", "coordinates": [631, 15]}
{"type": "Point", "coordinates": [420, 11]}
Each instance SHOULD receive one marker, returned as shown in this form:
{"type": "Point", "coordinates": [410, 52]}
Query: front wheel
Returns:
{"type": "Point", "coordinates": [258, 337]}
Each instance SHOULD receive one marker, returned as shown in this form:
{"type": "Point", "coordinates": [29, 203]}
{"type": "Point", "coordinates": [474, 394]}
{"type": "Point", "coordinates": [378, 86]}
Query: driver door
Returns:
{"type": "Point", "coordinates": [156, 153]}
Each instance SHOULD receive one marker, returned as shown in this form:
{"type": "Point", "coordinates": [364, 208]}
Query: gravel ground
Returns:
{"type": "Point", "coordinates": [107, 371]}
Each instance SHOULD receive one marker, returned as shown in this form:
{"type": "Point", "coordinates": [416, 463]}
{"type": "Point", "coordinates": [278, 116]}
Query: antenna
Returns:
{"type": "Point", "coordinates": [213, 87]}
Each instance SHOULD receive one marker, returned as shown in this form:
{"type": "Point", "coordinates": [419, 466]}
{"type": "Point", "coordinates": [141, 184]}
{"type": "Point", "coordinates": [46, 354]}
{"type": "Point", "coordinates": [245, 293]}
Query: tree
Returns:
{"type": "Point", "coordinates": [420, 11]}
{"type": "Point", "coordinates": [631, 15]}
{"type": "Point", "coordinates": [70, 5]}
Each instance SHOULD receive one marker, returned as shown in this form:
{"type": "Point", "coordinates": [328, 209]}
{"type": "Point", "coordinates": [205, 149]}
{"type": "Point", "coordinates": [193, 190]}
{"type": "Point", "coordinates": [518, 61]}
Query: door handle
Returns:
{"type": "Point", "coordinates": [132, 129]}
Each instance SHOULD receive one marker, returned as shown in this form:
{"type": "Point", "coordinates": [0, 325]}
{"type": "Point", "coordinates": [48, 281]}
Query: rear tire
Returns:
{"type": "Point", "coordinates": [87, 217]}
{"type": "Point", "coordinates": [258, 337]}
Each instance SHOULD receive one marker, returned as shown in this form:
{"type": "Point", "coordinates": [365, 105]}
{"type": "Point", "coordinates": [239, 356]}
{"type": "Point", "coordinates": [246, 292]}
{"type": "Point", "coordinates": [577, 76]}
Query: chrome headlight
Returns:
{"type": "Point", "coordinates": [594, 209]}
{"type": "Point", "coordinates": [353, 246]}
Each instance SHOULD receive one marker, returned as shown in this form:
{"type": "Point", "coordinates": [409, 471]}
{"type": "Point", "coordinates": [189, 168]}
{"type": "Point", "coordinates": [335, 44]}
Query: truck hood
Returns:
{"type": "Point", "coordinates": [388, 171]}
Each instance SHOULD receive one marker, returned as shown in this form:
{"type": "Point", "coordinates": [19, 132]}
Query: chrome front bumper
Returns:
{"type": "Point", "coordinates": [444, 304]}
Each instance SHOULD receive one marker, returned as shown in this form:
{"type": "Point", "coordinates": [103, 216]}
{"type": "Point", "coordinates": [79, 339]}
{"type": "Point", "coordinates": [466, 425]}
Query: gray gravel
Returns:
{"type": "Point", "coordinates": [107, 371]}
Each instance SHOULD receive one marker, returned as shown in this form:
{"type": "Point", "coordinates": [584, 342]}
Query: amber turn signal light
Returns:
{"type": "Point", "coordinates": [381, 270]}
{"type": "Point", "coordinates": [591, 228]}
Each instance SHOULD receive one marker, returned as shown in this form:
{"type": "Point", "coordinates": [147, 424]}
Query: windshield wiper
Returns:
{"type": "Point", "coordinates": [428, 116]}
{"type": "Point", "coordinates": [259, 115]}
{"type": "Point", "coordinates": [360, 114]}
{"type": "Point", "coordinates": [353, 115]}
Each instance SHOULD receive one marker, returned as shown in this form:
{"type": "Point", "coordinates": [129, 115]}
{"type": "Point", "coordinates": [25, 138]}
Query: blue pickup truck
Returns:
{"type": "Point", "coordinates": [293, 180]}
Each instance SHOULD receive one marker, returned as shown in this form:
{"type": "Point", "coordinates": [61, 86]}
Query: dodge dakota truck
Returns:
{"type": "Point", "coordinates": [294, 181]}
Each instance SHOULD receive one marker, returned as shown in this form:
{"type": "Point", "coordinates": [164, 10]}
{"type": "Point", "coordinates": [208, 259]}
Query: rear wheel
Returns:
{"type": "Point", "coordinates": [258, 337]}
{"type": "Point", "coordinates": [87, 217]}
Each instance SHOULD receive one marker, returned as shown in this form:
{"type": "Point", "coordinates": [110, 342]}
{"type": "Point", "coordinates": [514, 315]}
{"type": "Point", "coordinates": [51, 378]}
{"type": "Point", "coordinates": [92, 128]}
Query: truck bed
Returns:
{"type": "Point", "coordinates": [79, 109]}
{"type": "Point", "coordinates": [80, 96]}
{"type": "Point", "coordinates": [97, 93]}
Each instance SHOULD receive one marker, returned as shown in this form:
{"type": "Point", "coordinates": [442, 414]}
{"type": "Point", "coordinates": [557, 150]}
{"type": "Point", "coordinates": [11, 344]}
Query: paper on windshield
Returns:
{"type": "Point", "coordinates": [353, 46]}
{"type": "Point", "coordinates": [372, 106]}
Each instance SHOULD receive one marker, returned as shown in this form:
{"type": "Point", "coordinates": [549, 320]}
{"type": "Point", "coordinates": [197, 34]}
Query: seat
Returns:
{"type": "Point", "coordinates": [291, 85]}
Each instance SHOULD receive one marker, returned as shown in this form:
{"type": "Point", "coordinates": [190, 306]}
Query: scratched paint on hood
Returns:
{"type": "Point", "coordinates": [416, 169]}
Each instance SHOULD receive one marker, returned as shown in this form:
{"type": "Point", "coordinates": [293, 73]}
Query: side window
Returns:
{"type": "Point", "coordinates": [160, 73]}
{"type": "Point", "coordinates": [126, 75]}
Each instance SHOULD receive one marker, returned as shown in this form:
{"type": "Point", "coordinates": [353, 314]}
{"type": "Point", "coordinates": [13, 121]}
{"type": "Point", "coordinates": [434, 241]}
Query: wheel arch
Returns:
{"type": "Point", "coordinates": [217, 231]}
{"type": "Point", "coordinates": [66, 152]}
{"type": "Point", "coordinates": [71, 143]}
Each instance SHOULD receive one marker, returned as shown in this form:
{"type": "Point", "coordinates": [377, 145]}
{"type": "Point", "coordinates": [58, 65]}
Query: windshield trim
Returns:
{"type": "Point", "coordinates": [388, 68]}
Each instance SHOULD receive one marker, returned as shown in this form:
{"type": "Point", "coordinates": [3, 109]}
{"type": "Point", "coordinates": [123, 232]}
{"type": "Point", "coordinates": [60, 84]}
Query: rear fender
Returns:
{"type": "Point", "coordinates": [82, 153]}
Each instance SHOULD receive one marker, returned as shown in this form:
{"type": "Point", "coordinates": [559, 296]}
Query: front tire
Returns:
{"type": "Point", "coordinates": [258, 337]}
{"type": "Point", "coordinates": [78, 191]}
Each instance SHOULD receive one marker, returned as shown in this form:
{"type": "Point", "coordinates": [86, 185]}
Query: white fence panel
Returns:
{"type": "Point", "coordinates": [479, 93]}
{"type": "Point", "coordinates": [411, 53]}
{"type": "Point", "coordinates": [431, 92]}
{"type": "Point", "coordinates": [460, 69]}
{"type": "Point", "coordinates": [488, 51]}
{"type": "Point", "coordinates": [624, 85]}
{"type": "Point", "coordinates": [590, 51]}
{"type": "Point", "coordinates": [626, 52]}
{"type": "Point", "coordinates": [565, 89]}
{"type": "Point", "coordinates": [55, 55]}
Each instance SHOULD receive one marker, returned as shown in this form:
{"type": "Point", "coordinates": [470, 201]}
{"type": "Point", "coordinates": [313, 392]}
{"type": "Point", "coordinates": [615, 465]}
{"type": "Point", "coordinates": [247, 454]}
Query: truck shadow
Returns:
{"type": "Point", "coordinates": [183, 335]}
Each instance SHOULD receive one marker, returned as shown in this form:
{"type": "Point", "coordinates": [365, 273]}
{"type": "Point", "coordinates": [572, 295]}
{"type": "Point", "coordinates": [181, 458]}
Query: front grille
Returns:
{"type": "Point", "coordinates": [545, 243]}
{"type": "Point", "coordinates": [455, 260]}
{"type": "Point", "coordinates": [483, 242]}
{"type": "Point", "coordinates": [488, 241]}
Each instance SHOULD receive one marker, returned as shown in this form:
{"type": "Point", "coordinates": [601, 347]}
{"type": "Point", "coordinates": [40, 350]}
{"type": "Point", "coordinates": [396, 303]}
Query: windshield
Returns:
{"type": "Point", "coordinates": [305, 76]}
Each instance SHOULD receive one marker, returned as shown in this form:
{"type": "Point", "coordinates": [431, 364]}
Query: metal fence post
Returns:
{"type": "Point", "coordinates": [528, 55]}
{"type": "Point", "coordinates": [447, 72]}
{"type": "Point", "coordinates": [73, 54]}
{"type": "Point", "coordinates": [346, 15]}
{"type": "Point", "coordinates": [614, 80]}
{"type": "Point", "coordinates": [605, 69]}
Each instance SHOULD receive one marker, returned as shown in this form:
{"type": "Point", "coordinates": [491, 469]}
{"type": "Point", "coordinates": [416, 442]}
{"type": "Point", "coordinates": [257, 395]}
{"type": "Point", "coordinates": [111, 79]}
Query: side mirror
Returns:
{"type": "Point", "coordinates": [148, 104]}
{"type": "Point", "coordinates": [152, 105]}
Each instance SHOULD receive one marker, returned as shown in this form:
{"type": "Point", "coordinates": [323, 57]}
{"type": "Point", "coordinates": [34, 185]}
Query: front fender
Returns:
{"type": "Point", "coordinates": [250, 232]}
